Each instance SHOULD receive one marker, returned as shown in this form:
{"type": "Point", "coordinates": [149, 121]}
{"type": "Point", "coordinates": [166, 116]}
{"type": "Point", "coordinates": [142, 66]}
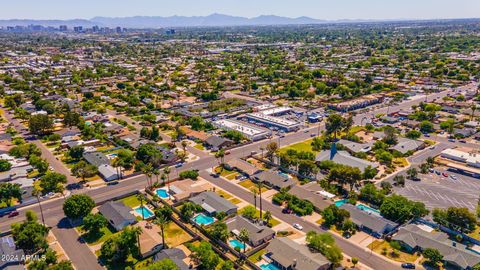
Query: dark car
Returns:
{"type": "Point", "coordinates": [13, 214]}
{"type": "Point", "coordinates": [408, 265]}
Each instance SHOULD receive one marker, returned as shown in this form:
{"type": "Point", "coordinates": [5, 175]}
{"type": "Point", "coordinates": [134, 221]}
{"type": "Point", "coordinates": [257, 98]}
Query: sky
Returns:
{"type": "Point", "coordinates": [319, 9]}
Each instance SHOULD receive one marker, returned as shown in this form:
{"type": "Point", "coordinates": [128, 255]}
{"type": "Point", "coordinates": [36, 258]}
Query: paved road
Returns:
{"type": "Point", "coordinates": [56, 164]}
{"type": "Point", "coordinates": [81, 256]}
{"type": "Point", "coordinates": [371, 260]}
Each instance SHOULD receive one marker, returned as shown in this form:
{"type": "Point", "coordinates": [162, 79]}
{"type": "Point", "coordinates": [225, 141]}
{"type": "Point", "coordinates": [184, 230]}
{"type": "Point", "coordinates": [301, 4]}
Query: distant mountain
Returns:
{"type": "Point", "coordinates": [46, 23]}
{"type": "Point", "coordinates": [211, 20]}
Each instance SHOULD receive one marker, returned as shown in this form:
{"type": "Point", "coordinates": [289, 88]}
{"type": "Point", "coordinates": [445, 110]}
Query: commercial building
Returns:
{"type": "Point", "coordinates": [253, 133]}
{"type": "Point", "coordinates": [471, 159]}
{"type": "Point", "coordinates": [272, 121]}
{"type": "Point", "coordinates": [355, 104]}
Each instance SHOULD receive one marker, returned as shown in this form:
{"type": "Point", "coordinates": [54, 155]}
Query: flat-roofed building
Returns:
{"type": "Point", "coordinates": [272, 121]}
{"type": "Point", "coordinates": [251, 132]}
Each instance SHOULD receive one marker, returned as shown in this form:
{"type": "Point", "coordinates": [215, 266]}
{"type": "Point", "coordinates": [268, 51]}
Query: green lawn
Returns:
{"type": "Point", "coordinates": [248, 184]}
{"type": "Point", "coordinates": [131, 201]}
{"type": "Point", "coordinates": [274, 222]}
{"type": "Point", "coordinates": [257, 256]}
{"type": "Point", "coordinates": [175, 236]}
{"type": "Point", "coordinates": [106, 233]}
{"type": "Point", "coordinates": [235, 200]}
{"type": "Point", "coordinates": [301, 146]}
{"type": "Point", "coordinates": [223, 194]}
{"type": "Point", "coordinates": [475, 234]}
{"type": "Point", "coordinates": [199, 146]}
{"type": "Point", "coordinates": [379, 246]}
{"type": "Point", "coordinates": [223, 172]}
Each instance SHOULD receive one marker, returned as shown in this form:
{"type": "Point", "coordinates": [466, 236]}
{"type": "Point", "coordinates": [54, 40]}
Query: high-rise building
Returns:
{"type": "Point", "coordinates": [78, 29]}
{"type": "Point", "coordinates": [63, 28]}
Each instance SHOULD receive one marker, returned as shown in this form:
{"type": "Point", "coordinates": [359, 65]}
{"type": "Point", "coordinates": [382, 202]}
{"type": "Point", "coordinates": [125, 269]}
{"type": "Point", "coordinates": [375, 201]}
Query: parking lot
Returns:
{"type": "Point", "coordinates": [437, 191]}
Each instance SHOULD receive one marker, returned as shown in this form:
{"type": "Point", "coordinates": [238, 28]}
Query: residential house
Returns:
{"type": "Point", "coordinates": [406, 145]}
{"type": "Point", "coordinates": [176, 255]}
{"type": "Point", "coordinates": [108, 173]}
{"type": "Point", "coordinates": [369, 222]}
{"type": "Point", "coordinates": [243, 166]}
{"type": "Point", "coordinates": [343, 158]}
{"type": "Point", "coordinates": [287, 254]}
{"type": "Point", "coordinates": [216, 143]}
{"type": "Point", "coordinates": [355, 147]}
{"type": "Point", "coordinates": [274, 179]}
{"type": "Point", "coordinates": [117, 214]}
{"type": "Point", "coordinates": [212, 203]}
{"type": "Point", "coordinates": [96, 158]}
{"type": "Point", "coordinates": [257, 234]}
{"type": "Point", "coordinates": [183, 189]}
{"type": "Point", "coordinates": [10, 256]}
{"type": "Point", "coordinates": [414, 238]}
{"type": "Point", "coordinates": [313, 193]}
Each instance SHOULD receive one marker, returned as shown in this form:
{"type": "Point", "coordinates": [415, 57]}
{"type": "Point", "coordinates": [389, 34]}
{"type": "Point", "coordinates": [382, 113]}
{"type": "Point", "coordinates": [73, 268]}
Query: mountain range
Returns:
{"type": "Point", "coordinates": [171, 21]}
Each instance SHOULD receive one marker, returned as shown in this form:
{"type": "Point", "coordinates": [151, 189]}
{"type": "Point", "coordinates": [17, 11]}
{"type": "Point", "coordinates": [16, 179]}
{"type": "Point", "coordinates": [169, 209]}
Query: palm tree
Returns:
{"type": "Point", "coordinates": [262, 149]}
{"type": "Point", "coordinates": [156, 172]}
{"type": "Point", "coordinates": [473, 108]}
{"type": "Point", "coordinates": [36, 193]}
{"type": "Point", "coordinates": [137, 231]}
{"type": "Point", "coordinates": [184, 145]}
{"type": "Point", "coordinates": [244, 237]}
{"type": "Point", "coordinates": [267, 217]}
{"type": "Point", "coordinates": [161, 221]}
{"type": "Point", "coordinates": [260, 186]}
{"type": "Point", "coordinates": [148, 170]}
{"type": "Point", "coordinates": [140, 197]}
{"type": "Point", "coordinates": [254, 191]}
{"type": "Point", "coordinates": [167, 171]}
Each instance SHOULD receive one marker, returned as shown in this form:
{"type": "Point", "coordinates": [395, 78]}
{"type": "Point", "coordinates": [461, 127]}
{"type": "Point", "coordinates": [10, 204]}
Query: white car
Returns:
{"type": "Point", "coordinates": [297, 226]}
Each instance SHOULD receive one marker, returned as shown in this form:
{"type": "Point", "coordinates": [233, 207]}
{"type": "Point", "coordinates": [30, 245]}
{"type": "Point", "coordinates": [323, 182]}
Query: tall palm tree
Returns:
{"type": "Point", "coordinates": [473, 108]}
{"type": "Point", "coordinates": [184, 146]}
{"type": "Point", "coordinates": [244, 237]}
{"type": "Point", "coordinates": [137, 231]}
{"type": "Point", "coordinates": [260, 186]}
{"type": "Point", "coordinates": [167, 171]}
{"type": "Point", "coordinates": [254, 191]}
{"type": "Point", "coordinates": [161, 221]}
{"type": "Point", "coordinates": [140, 197]}
{"type": "Point", "coordinates": [36, 193]}
{"type": "Point", "coordinates": [148, 170]}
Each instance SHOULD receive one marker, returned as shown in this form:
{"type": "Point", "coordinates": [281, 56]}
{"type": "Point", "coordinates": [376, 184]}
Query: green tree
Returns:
{"type": "Point", "coordinates": [272, 149]}
{"type": "Point", "coordinates": [412, 173]}
{"type": "Point", "coordinates": [249, 212]}
{"type": "Point", "coordinates": [433, 256]}
{"type": "Point", "coordinates": [205, 256]}
{"type": "Point", "coordinates": [30, 235]}
{"type": "Point", "coordinates": [191, 174]}
{"type": "Point", "coordinates": [460, 219]}
{"type": "Point", "coordinates": [334, 124]}
{"type": "Point", "coordinates": [325, 244]}
{"type": "Point", "coordinates": [400, 209]}
{"type": "Point", "coordinates": [78, 206]}
{"type": "Point", "coordinates": [219, 231]}
{"type": "Point", "coordinates": [5, 165]}
{"type": "Point", "coordinates": [244, 237]}
{"type": "Point", "coordinates": [332, 215]}
{"type": "Point", "coordinates": [93, 223]}
{"type": "Point", "coordinates": [52, 182]}
{"type": "Point", "coordinates": [165, 264]}
{"type": "Point", "coordinates": [84, 170]}
{"type": "Point", "coordinates": [76, 152]}
{"type": "Point", "coordinates": [40, 124]}
{"type": "Point", "coordinates": [9, 191]}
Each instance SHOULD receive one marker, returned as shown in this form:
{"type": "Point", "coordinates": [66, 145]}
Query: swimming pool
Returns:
{"type": "Point", "coordinates": [202, 219]}
{"type": "Point", "coordinates": [269, 266]}
{"type": "Point", "coordinates": [341, 202]}
{"type": "Point", "coordinates": [162, 193]}
{"type": "Point", "coordinates": [367, 208]}
{"type": "Point", "coordinates": [235, 243]}
{"type": "Point", "coordinates": [284, 174]}
{"type": "Point", "coordinates": [144, 212]}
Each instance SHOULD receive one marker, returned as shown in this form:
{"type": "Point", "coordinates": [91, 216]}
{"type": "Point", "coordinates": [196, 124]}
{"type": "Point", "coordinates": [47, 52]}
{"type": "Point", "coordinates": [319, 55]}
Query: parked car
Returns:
{"type": "Point", "coordinates": [445, 174]}
{"type": "Point", "coordinates": [437, 172]}
{"type": "Point", "coordinates": [463, 141]}
{"type": "Point", "coordinates": [453, 177]}
{"type": "Point", "coordinates": [227, 152]}
{"type": "Point", "coordinates": [408, 265]}
{"type": "Point", "coordinates": [297, 226]}
{"type": "Point", "coordinates": [312, 135]}
{"type": "Point", "coordinates": [13, 214]}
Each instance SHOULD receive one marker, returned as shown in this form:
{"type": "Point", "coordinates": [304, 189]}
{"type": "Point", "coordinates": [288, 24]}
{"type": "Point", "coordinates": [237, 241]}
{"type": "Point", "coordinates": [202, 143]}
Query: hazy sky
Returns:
{"type": "Point", "coordinates": [320, 9]}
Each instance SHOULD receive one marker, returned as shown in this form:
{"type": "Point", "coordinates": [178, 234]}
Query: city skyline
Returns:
{"type": "Point", "coordinates": [318, 9]}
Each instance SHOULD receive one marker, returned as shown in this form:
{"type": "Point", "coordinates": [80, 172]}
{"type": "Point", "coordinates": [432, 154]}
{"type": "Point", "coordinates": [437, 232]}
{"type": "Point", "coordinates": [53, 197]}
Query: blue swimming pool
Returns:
{"type": "Point", "coordinates": [235, 243]}
{"type": "Point", "coordinates": [283, 174]}
{"type": "Point", "coordinates": [144, 212]}
{"type": "Point", "coordinates": [269, 266]}
{"type": "Point", "coordinates": [367, 209]}
{"type": "Point", "coordinates": [162, 193]}
{"type": "Point", "coordinates": [341, 202]}
{"type": "Point", "coordinates": [202, 219]}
